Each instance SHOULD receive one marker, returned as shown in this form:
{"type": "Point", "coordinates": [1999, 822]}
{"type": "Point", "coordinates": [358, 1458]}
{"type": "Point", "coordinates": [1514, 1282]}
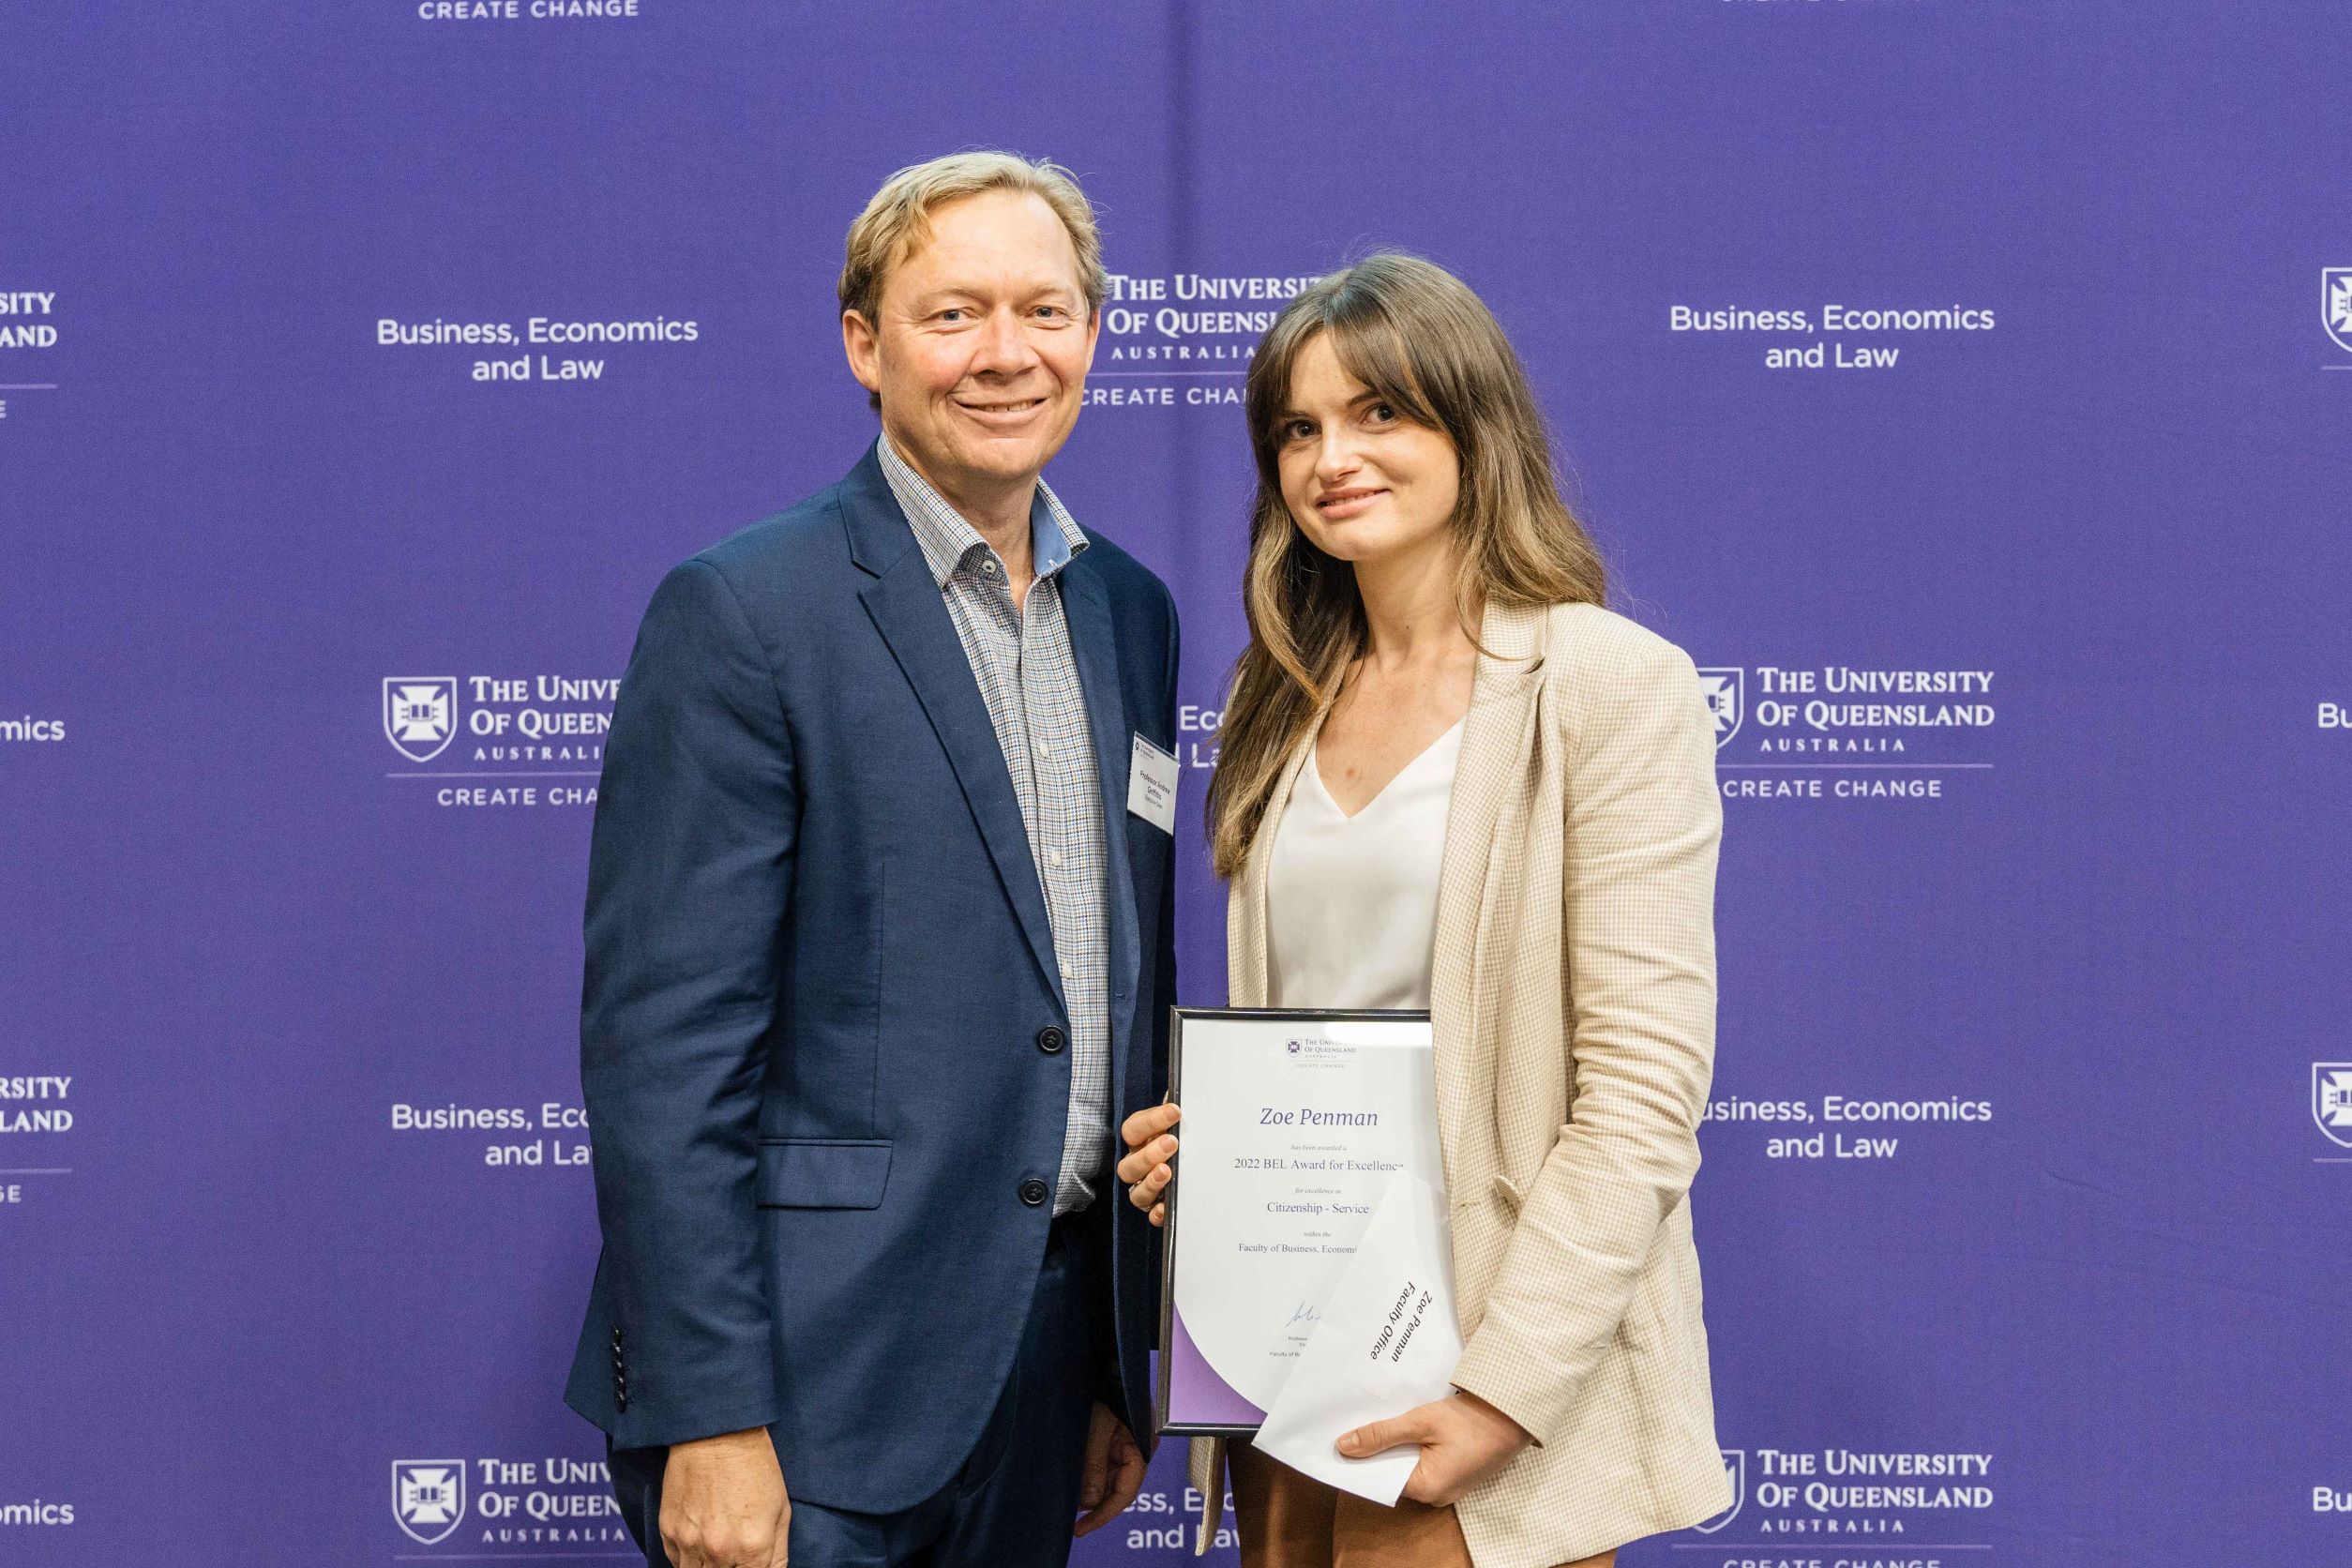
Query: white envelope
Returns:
{"type": "Point", "coordinates": [1388, 1340]}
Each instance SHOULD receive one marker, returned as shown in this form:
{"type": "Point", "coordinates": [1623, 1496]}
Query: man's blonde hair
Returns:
{"type": "Point", "coordinates": [898, 218]}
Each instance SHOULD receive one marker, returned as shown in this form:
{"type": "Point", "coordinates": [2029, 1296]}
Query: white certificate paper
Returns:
{"type": "Point", "coordinates": [1295, 1127]}
{"type": "Point", "coordinates": [1388, 1341]}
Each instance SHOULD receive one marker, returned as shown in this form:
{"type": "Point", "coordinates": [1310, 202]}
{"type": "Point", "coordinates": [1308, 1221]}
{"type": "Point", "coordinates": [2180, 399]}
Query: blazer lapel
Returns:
{"type": "Point", "coordinates": [1086, 608]}
{"type": "Point", "coordinates": [907, 609]}
{"type": "Point", "coordinates": [1248, 928]}
{"type": "Point", "coordinates": [1492, 763]}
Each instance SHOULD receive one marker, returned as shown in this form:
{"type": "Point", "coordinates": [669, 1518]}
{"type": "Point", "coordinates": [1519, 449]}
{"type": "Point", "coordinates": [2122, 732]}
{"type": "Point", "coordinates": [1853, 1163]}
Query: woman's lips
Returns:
{"type": "Point", "coordinates": [1346, 503]}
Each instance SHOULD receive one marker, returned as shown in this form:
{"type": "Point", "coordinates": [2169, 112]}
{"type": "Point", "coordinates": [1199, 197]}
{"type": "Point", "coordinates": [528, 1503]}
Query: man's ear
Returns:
{"type": "Point", "coordinates": [863, 350]}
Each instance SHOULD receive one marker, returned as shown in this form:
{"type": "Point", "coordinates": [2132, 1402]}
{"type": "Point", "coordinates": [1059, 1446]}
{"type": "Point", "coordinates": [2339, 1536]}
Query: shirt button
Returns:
{"type": "Point", "coordinates": [1050, 1040]}
{"type": "Point", "coordinates": [1045, 748]}
{"type": "Point", "coordinates": [1053, 857]}
{"type": "Point", "coordinates": [1033, 1192]}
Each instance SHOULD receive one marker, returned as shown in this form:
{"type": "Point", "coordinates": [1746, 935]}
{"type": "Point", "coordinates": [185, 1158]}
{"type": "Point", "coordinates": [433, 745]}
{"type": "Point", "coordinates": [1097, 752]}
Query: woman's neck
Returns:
{"type": "Point", "coordinates": [1411, 612]}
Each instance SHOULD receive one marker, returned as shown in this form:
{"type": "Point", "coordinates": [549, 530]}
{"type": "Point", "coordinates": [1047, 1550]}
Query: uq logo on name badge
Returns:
{"type": "Point", "coordinates": [2335, 303]}
{"type": "Point", "coordinates": [2332, 1100]}
{"type": "Point", "coordinates": [1734, 1469]}
{"type": "Point", "coordinates": [428, 1498]}
{"type": "Point", "coordinates": [420, 714]}
{"type": "Point", "coordinates": [1727, 687]}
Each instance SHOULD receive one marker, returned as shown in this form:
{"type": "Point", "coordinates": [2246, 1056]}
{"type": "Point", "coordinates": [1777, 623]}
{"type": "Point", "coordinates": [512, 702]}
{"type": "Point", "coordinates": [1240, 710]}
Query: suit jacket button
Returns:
{"type": "Point", "coordinates": [1050, 1039]}
{"type": "Point", "coordinates": [1033, 1192]}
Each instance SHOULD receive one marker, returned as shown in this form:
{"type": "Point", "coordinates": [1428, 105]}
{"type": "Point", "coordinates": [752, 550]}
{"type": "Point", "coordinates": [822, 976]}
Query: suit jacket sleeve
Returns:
{"type": "Point", "coordinates": [689, 876]}
{"type": "Point", "coordinates": [1165, 991]}
{"type": "Point", "coordinates": [1643, 824]}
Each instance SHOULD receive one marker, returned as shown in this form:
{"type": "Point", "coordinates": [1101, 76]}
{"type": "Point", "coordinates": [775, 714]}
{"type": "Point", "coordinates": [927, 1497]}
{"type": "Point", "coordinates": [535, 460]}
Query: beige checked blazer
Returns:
{"type": "Point", "coordinates": [1573, 998]}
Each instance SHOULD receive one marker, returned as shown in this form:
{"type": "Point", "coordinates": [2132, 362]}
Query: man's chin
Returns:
{"type": "Point", "coordinates": [1007, 457]}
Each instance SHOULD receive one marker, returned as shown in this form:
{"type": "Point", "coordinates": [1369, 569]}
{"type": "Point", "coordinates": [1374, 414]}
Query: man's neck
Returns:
{"type": "Point", "coordinates": [999, 516]}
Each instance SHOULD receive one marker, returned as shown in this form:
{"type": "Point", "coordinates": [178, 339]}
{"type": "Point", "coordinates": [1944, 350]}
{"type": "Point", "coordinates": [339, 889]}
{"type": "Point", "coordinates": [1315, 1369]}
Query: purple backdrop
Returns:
{"type": "Point", "coordinates": [2066, 925]}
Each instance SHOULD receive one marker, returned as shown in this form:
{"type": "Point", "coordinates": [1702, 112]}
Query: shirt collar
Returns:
{"type": "Point", "coordinates": [948, 541]}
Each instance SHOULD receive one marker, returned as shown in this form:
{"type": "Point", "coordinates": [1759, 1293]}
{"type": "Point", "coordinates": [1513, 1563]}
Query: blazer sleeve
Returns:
{"type": "Point", "coordinates": [1643, 823]}
{"type": "Point", "coordinates": [689, 874]}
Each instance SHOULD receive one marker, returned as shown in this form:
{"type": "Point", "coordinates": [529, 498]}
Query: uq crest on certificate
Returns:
{"type": "Point", "coordinates": [1298, 1125]}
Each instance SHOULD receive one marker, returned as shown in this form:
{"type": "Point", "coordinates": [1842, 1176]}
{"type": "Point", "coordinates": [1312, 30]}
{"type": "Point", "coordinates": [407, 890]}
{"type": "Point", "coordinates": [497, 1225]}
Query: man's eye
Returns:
{"type": "Point", "coordinates": [953, 313]}
{"type": "Point", "coordinates": [1053, 310]}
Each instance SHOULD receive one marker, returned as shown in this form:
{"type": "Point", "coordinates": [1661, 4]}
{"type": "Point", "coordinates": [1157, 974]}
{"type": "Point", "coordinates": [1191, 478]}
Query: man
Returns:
{"type": "Point", "coordinates": [879, 954]}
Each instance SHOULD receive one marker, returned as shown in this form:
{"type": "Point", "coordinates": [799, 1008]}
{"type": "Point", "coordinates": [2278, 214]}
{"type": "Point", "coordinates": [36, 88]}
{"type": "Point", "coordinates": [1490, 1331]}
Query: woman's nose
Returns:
{"type": "Point", "coordinates": [1335, 458]}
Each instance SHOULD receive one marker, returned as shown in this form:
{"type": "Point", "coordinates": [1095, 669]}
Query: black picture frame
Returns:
{"type": "Point", "coordinates": [1163, 1384]}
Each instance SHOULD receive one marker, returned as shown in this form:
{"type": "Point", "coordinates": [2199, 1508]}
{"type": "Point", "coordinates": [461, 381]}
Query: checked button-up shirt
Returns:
{"type": "Point", "coordinates": [1029, 678]}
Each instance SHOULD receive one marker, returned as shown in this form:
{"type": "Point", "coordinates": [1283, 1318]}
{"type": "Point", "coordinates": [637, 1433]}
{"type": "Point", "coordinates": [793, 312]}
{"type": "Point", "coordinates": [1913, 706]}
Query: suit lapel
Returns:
{"type": "Point", "coordinates": [905, 603]}
{"type": "Point", "coordinates": [1086, 609]}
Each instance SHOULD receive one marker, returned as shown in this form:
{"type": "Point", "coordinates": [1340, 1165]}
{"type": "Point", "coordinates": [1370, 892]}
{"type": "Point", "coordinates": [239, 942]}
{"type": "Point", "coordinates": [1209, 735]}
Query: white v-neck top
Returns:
{"type": "Point", "coordinates": [1352, 902]}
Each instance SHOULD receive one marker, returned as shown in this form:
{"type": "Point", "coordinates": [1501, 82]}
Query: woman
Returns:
{"type": "Point", "coordinates": [1450, 780]}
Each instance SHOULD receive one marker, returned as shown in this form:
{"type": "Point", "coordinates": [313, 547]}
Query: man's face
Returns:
{"type": "Point", "coordinates": [982, 350]}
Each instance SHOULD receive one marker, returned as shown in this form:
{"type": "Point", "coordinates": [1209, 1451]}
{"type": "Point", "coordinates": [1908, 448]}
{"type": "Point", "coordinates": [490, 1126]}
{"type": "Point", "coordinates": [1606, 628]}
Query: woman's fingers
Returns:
{"type": "Point", "coordinates": [1148, 1124]}
{"type": "Point", "coordinates": [1144, 1194]}
{"type": "Point", "coordinates": [1145, 1169]}
{"type": "Point", "coordinates": [1134, 1166]}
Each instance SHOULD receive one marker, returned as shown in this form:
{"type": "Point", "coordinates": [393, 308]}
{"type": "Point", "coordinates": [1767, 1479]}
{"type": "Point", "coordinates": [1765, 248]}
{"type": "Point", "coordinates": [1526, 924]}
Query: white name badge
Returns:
{"type": "Point", "coordinates": [1152, 786]}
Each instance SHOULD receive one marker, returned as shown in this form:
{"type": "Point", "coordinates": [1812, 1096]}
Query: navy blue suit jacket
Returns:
{"type": "Point", "coordinates": [818, 968]}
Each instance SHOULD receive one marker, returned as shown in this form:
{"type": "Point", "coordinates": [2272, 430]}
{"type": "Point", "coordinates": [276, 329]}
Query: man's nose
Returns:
{"type": "Point", "coordinates": [1003, 349]}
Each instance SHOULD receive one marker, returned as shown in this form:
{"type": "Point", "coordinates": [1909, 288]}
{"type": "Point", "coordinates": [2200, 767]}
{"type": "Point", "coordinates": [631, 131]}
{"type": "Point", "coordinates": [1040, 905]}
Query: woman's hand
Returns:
{"type": "Point", "coordinates": [1150, 1147]}
{"type": "Point", "coordinates": [1463, 1440]}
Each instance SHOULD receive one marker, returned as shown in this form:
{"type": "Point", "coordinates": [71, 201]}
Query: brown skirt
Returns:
{"type": "Point", "coordinates": [1287, 1520]}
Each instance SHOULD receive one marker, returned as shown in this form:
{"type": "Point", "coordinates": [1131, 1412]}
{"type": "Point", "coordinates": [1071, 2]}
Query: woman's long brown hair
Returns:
{"type": "Point", "coordinates": [1415, 335]}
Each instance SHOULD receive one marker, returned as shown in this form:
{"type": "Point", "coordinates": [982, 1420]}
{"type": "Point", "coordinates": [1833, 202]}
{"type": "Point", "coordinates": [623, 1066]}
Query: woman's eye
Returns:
{"type": "Point", "coordinates": [1297, 430]}
{"type": "Point", "coordinates": [1382, 414]}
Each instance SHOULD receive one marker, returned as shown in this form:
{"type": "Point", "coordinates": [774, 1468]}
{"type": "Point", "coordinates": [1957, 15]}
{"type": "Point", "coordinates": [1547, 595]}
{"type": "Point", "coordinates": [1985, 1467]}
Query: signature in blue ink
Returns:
{"type": "Point", "coordinates": [1305, 1314]}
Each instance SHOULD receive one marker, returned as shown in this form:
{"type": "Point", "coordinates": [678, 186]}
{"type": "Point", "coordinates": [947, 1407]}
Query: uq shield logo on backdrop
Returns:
{"type": "Point", "coordinates": [2332, 1100]}
{"type": "Point", "coordinates": [1726, 688]}
{"type": "Point", "coordinates": [2336, 303]}
{"type": "Point", "coordinates": [428, 1498]}
{"type": "Point", "coordinates": [1734, 1469]}
{"type": "Point", "coordinates": [420, 714]}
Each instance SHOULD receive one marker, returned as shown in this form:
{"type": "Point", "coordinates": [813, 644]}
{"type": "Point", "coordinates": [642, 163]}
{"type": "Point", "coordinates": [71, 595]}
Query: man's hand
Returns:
{"type": "Point", "coordinates": [723, 1503]}
{"type": "Point", "coordinates": [1463, 1440]}
{"type": "Point", "coordinates": [1114, 1472]}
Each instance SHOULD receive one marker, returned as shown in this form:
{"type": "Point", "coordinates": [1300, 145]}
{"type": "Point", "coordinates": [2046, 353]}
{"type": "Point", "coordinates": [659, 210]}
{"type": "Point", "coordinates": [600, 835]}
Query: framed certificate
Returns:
{"type": "Point", "coordinates": [1295, 1123]}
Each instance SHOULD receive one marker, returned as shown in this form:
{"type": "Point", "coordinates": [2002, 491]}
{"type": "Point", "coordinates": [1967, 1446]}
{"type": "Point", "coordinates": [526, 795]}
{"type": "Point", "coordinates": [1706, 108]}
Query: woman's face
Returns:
{"type": "Point", "coordinates": [1366, 484]}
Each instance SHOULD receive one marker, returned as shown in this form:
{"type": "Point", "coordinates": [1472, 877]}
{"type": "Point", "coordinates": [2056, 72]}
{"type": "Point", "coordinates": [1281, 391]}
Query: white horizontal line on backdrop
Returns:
{"type": "Point", "coordinates": [1727, 766]}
